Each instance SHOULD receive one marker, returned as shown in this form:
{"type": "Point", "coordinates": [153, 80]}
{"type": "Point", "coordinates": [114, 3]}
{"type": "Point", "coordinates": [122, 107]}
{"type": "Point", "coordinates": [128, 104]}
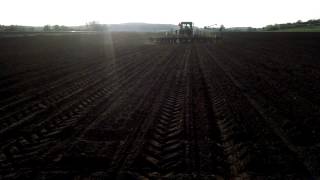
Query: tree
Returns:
{"type": "Point", "coordinates": [95, 26]}
{"type": "Point", "coordinates": [47, 28]}
{"type": "Point", "coordinates": [2, 28]}
{"type": "Point", "coordinates": [56, 28]}
{"type": "Point", "coordinates": [222, 28]}
{"type": "Point", "coordinates": [64, 28]}
{"type": "Point", "coordinates": [92, 25]}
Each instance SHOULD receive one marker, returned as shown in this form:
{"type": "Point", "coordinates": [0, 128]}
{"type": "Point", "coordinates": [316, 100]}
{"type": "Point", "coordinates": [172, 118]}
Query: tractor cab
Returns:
{"type": "Point", "coordinates": [186, 29]}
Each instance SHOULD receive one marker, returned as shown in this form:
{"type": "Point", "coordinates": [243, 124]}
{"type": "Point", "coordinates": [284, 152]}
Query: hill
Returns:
{"type": "Point", "coordinates": [299, 26]}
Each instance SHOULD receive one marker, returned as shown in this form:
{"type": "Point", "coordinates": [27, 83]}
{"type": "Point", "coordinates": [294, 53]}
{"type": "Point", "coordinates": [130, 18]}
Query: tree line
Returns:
{"type": "Point", "coordinates": [16, 28]}
{"type": "Point", "coordinates": [46, 28]}
{"type": "Point", "coordinates": [90, 26]}
{"type": "Point", "coordinates": [299, 23]}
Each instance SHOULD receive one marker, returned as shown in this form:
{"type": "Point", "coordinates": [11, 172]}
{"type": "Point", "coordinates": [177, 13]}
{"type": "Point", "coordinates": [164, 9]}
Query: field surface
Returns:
{"type": "Point", "coordinates": [107, 106]}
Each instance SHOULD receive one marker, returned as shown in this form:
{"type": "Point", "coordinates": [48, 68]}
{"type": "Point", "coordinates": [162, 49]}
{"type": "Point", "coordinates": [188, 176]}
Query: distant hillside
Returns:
{"type": "Point", "coordinates": [299, 26]}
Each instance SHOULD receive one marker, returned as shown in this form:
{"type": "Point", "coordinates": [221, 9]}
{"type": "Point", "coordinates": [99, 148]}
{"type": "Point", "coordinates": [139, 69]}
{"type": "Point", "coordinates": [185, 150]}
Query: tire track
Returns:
{"type": "Point", "coordinates": [208, 153]}
{"type": "Point", "coordinates": [163, 150]}
{"type": "Point", "coordinates": [123, 159]}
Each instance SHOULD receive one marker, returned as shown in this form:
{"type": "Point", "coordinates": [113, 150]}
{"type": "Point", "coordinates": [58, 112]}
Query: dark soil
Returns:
{"type": "Point", "coordinates": [108, 106]}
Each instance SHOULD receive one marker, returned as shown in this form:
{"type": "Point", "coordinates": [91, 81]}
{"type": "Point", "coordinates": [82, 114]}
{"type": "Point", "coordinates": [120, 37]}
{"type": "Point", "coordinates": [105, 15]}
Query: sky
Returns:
{"type": "Point", "coordinates": [230, 13]}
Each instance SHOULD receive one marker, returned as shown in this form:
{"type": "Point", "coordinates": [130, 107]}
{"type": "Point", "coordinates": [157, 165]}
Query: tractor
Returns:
{"type": "Point", "coordinates": [185, 34]}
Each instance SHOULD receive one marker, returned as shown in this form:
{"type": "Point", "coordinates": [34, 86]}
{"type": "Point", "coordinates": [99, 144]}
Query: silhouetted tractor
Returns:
{"type": "Point", "coordinates": [185, 34]}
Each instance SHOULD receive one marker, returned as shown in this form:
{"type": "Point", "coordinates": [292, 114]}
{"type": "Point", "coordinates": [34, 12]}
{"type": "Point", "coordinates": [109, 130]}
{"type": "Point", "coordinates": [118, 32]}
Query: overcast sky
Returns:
{"type": "Point", "coordinates": [231, 13]}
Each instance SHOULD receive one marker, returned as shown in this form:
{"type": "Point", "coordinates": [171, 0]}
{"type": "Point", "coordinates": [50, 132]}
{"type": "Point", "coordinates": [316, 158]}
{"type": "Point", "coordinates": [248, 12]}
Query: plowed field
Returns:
{"type": "Point", "coordinates": [107, 106]}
